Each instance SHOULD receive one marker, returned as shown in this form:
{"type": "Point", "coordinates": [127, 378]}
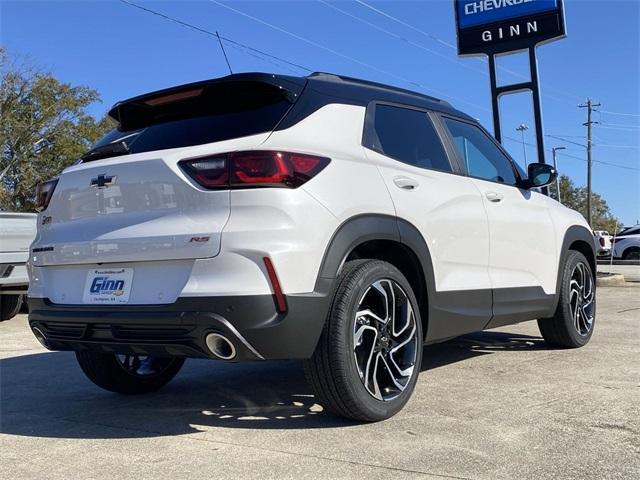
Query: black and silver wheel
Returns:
{"type": "Point", "coordinates": [9, 306]}
{"type": "Point", "coordinates": [574, 319]}
{"type": "Point", "coordinates": [631, 254]}
{"type": "Point", "coordinates": [128, 373]}
{"type": "Point", "coordinates": [368, 358]}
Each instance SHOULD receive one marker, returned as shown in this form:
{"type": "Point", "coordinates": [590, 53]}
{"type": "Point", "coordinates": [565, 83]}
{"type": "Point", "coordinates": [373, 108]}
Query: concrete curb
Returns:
{"type": "Point", "coordinates": [609, 280]}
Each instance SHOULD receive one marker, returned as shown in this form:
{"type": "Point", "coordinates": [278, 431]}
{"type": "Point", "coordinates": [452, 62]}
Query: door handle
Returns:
{"type": "Point", "coordinates": [494, 197]}
{"type": "Point", "coordinates": [406, 183]}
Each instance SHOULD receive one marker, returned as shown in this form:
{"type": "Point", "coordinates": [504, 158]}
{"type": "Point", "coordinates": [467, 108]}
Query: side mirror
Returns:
{"type": "Point", "coordinates": [540, 174]}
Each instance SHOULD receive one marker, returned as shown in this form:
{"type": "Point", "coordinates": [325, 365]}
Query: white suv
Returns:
{"type": "Point", "coordinates": [325, 218]}
{"type": "Point", "coordinates": [16, 234]}
{"type": "Point", "coordinates": [626, 244]}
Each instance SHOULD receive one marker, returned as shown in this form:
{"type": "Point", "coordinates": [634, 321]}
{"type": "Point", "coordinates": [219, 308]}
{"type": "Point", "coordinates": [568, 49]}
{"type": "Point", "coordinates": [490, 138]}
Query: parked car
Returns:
{"type": "Point", "coordinates": [626, 244]}
{"type": "Point", "coordinates": [17, 231]}
{"type": "Point", "coordinates": [603, 242]}
{"type": "Point", "coordinates": [323, 218]}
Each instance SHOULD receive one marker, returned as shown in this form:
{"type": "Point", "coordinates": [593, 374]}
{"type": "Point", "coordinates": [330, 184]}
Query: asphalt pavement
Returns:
{"type": "Point", "coordinates": [493, 405]}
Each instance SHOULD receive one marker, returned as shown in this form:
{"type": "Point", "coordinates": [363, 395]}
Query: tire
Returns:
{"type": "Point", "coordinates": [9, 306]}
{"type": "Point", "coordinates": [631, 254]}
{"type": "Point", "coordinates": [338, 368]}
{"type": "Point", "coordinates": [575, 317]}
{"type": "Point", "coordinates": [119, 373]}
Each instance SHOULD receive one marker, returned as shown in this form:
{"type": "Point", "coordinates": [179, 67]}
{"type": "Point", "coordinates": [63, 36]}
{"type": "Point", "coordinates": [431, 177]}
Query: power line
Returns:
{"type": "Point", "coordinates": [621, 125]}
{"type": "Point", "coordinates": [621, 114]}
{"type": "Point", "coordinates": [618, 146]}
{"type": "Point", "coordinates": [401, 38]}
{"type": "Point", "coordinates": [397, 20]}
{"type": "Point", "coordinates": [621, 129]}
{"type": "Point", "coordinates": [265, 59]}
{"type": "Point", "coordinates": [557, 137]}
{"type": "Point", "coordinates": [214, 34]}
{"type": "Point", "coordinates": [345, 56]}
{"type": "Point", "coordinates": [518, 141]}
{"type": "Point", "coordinates": [569, 136]}
{"type": "Point", "coordinates": [449, 45]}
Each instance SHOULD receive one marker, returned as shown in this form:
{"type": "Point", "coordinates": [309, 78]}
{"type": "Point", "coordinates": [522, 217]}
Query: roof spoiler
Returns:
{"type": "Point", "coordinates": [130, 113]}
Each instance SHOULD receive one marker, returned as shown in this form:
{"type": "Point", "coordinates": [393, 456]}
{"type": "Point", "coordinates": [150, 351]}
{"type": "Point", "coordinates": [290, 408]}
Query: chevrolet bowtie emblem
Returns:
{"type": "Point", "coordinates": [103, 181]}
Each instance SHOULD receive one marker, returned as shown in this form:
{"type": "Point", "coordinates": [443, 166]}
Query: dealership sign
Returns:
{"type": "Point", "coordinates": [499, 26]}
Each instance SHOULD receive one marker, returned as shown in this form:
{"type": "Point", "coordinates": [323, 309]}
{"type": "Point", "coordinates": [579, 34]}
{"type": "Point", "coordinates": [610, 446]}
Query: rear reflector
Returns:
{"type": "Point", "coordinates": [281, 302]}
{"type": "Point", "coordinates": [44, 191]}
{"type": "Point", "coordinates": [254, 169]}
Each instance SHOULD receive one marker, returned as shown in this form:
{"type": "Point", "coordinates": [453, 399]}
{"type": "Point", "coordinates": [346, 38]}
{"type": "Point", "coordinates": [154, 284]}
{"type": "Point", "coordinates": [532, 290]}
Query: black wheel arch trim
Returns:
{"type": "Point", "coordinates": [453, 318]}
{"type": "Point", "coordinates": [457, 312]}
{"type": "Point", "coordinates": [575, 233]}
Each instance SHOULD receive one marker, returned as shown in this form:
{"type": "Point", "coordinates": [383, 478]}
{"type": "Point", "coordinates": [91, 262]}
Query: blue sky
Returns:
{"type": "Point", "coordinates": [122, 51]}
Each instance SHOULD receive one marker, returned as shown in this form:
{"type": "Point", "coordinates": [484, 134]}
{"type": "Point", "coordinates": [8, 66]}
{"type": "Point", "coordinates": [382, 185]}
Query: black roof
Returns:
{"type": "Point", "coordinates": [319, 89]}
{"type": "Point", "coordinates": [341, 85]}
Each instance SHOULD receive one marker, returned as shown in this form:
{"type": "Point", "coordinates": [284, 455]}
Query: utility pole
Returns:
{"type": "Point", "coordinates": [555, 166]}
{"type": "Point", "coordinates": [590, 106]}
{"type": "Point", "coordinates": [521, 128]}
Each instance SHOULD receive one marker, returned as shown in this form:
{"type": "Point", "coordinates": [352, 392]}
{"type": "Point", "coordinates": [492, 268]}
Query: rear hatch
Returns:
{"type": "Point", "coordinates": [128, 200]}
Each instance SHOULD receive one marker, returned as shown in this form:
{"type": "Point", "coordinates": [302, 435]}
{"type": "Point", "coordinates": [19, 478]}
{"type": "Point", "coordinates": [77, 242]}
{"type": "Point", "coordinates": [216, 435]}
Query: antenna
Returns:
{"type": "Point", "coordinates": [224, 52]}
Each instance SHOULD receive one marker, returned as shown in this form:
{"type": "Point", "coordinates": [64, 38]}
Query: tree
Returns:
{"type": "Point", "coordinates": [576, 199]}
{"type": "Point", "coordinates": [44, 128]}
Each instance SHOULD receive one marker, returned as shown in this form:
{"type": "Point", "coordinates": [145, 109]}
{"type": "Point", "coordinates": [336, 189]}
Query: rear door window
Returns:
{"type": "Point", "coordinates": [408, 136]}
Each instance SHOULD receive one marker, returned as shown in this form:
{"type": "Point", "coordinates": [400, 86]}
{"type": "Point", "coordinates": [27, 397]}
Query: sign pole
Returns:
{"type": "Point", "coordinates": [496, 28]}
{"type": "Point", "coordinates": [495, 100]}
{"type": "Point", "coordinates": [537, 109]}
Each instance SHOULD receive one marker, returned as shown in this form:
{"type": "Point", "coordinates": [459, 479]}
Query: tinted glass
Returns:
{"type": "Point", "coordinates": [223, 113]}
{"type": "Point", "coordinates": [409, 136]}
{"type": "Point", "coordinates": [482, 158]}
{"type": "Point", "coordinates": [629, 231]}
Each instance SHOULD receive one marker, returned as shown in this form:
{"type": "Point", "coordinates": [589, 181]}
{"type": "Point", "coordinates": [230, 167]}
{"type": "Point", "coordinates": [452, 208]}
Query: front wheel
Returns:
{"type": "Point", "coordinates": [368, 358]}
{"type": "Point", "coordinates": [575, 316]}
{"type": "Point", "coordinates": [129, 374]}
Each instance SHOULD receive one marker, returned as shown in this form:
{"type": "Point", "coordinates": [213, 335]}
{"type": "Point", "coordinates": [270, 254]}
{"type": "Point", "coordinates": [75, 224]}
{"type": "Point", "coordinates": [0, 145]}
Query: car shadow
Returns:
{"type": "Point", "coordinates": [46, 395]}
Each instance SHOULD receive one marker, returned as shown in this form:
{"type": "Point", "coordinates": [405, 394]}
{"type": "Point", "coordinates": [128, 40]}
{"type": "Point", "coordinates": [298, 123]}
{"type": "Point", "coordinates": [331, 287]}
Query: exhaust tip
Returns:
{"type": "Point", "coordinates": [40, 337]}
{"type": "Point", "coordinates": [220, 346]}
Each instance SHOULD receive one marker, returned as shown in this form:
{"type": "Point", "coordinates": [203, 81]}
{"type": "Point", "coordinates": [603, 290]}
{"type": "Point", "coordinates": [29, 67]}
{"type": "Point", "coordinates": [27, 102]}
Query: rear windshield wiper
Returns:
{"type": "Point", "coordinates": [105, 151]}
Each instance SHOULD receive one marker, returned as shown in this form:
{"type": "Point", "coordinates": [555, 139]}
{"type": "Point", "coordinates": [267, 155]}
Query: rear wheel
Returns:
{"type": "Point", "coordinates": [9, 306]}
{"type": "Point", "coordinates": [368, 357]}
{"type": "Point", "coordinates": [574, 319]}
{"type": "Point", "coordinates": [129, 374]}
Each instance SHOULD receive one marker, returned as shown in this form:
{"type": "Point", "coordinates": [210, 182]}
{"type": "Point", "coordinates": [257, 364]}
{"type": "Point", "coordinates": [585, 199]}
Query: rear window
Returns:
{"type": "Point", "coordinates": [203, 115]}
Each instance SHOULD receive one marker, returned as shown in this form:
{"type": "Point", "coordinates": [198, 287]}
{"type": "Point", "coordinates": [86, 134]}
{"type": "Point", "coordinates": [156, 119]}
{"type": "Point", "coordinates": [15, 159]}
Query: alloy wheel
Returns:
{"type": "Point", "coordinates": [385, 342]}
{"type": "Point", "coordinates": [581, 298]}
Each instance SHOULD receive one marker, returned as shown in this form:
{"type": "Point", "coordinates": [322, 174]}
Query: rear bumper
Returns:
{"type": "Point", "coordinates": [252, 323]}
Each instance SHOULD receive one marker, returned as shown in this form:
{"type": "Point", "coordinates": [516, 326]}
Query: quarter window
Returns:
{"type": "Point", "coordinates": [408, 136]}
{"type": "Point", "coordinates": [481, 157]}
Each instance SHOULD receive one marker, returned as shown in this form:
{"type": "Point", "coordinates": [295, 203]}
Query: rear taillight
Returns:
{"type": "Point", "coordinates": [254, 169]}
{"type": "Point", "coordinates": [44, 191]}
{"type": "Point", "coordinates": [602, 241]}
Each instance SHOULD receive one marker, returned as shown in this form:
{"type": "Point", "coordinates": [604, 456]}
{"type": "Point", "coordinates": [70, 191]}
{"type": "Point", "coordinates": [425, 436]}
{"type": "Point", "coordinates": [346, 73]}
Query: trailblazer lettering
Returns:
{"type": "Point", "coordinates": [486, 5]}
{"type": "Point", "coordinates": [104, 284]}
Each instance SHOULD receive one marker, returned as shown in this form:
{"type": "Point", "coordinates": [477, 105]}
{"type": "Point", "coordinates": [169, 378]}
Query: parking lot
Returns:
{"type": "Point", "coordinates": [497, 404]}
